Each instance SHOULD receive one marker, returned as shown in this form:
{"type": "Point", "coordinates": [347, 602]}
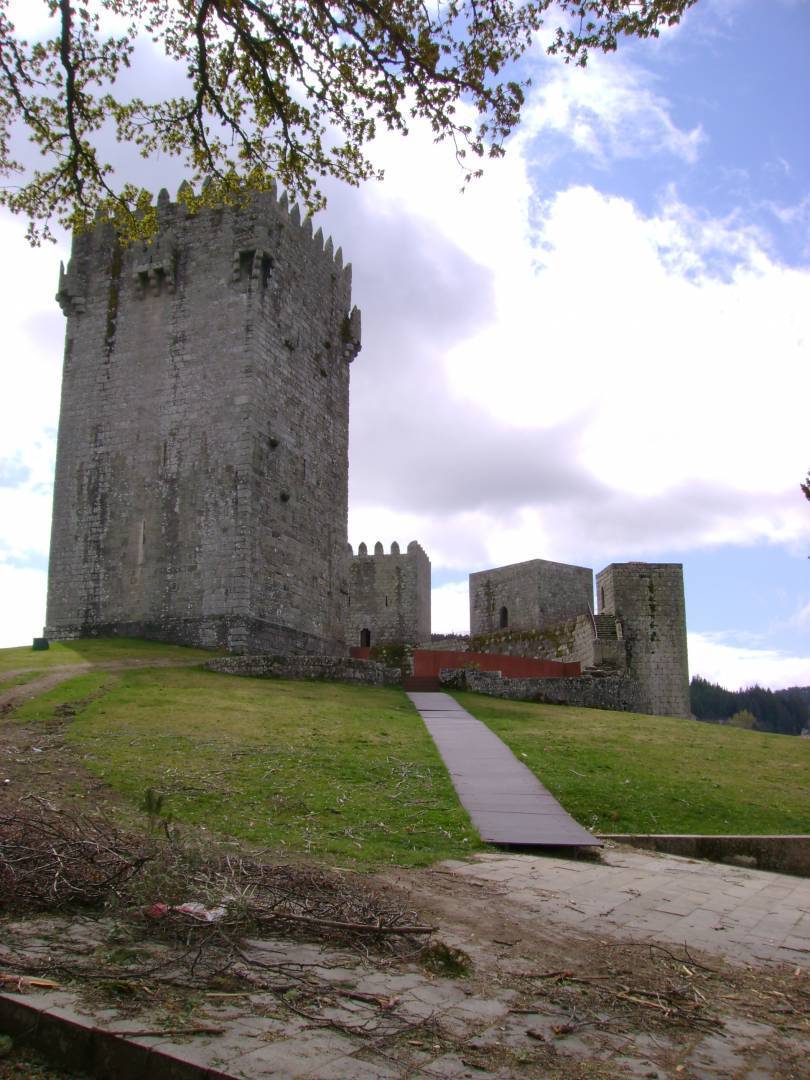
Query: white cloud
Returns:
{"type": "Point", "coordinates": [22, 605]}
{"type": "Point", "coordinates": [609, 111]}
{"type": "Point", "coordinates": [29, 410]}
{"type": "Point", "coordinates": [450, 608]}
{"type": "Point", "coordinates": [736, 667]}
{"type": "Point", "coordinates": [802, 616]}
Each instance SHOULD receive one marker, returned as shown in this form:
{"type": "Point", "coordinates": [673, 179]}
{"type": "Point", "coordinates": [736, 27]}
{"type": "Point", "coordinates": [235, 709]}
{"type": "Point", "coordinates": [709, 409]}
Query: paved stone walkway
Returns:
{"type": "Point", "coordinates": [506, 801]}
{"type": "Point", "coordinates": [735, 913]}
{"type": "Point", "coordinates": [747, 916]}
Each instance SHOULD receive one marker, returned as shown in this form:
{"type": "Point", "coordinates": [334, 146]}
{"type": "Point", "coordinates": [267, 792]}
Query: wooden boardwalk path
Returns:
{"type": "Point", "coordinates": [506, 801]}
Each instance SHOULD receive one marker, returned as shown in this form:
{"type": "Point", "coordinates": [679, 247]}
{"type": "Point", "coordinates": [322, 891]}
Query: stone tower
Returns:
{"type": "Point", "coordinates": [202, 463]}
{"type": "Point", "coordinates": [530, 595]}
{"type": "Point", "coordinates": [390, 596]}
{"type": "Point", "coordinates": [648, 600]}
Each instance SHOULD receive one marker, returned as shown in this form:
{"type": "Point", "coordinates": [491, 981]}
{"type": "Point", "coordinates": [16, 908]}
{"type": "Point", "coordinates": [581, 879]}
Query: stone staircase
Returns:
{"type": "Point", "coordinates": [606, 627]}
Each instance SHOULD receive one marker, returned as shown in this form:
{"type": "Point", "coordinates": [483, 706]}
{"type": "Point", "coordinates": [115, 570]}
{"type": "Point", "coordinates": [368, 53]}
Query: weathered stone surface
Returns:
{"type": "Point", "coordinates": [648, 601]}
{"type": "Point", "coordinates": [338, 669]}
{"type": "Point", "coordinates": [528, 596]}
{"type": "Point", "coordinates": [640, 630]}
{"type": "Point", "coordinates": [389, 596]}
{"type": "Point", "coordinates": [201, 480]}
{"type": "Point", "coordinates": [572, 640]}
{"type": "Point", "coordinates": [595, 691]}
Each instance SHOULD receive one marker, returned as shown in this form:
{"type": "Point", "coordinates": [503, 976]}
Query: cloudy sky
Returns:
{"type": "Point", "coordinates": [599, 352]}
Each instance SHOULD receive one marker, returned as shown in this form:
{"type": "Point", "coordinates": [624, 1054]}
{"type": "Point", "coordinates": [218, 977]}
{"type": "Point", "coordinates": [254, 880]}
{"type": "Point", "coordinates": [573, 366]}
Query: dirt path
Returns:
{"type": "Point", "coordinates": [18, 695]}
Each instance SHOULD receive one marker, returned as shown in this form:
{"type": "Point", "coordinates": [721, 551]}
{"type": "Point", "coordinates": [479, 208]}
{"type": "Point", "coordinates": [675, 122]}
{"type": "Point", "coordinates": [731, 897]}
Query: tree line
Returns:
{"type": "Point", "coordinates": [786, 712]}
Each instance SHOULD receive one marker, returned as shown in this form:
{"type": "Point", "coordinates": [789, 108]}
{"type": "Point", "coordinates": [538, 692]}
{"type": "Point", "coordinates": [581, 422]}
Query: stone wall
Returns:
{"type": "Point", "coordinates": [648, 600]}
{"type": "Point", "coordinates": [786, 854]}
{"type": "Point", "coordinates": [572, 640]}
{"type": "Point", "coordinates": [389, 601]}
{"type": "Point", "coordinates": [532, 595]}
{"type": "Point", "coordinates": [337, 669]}
{"type": "Point", "coordinates": [614, 690]}
{"type": "Point", "coordinates": [202, 463]}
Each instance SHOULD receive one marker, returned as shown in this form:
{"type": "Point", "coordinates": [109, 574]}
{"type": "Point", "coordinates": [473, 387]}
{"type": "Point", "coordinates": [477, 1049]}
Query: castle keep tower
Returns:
{"type": "Point", "coordinates": [648, 600]}
{"type": "Point", "coordinates": [202, 462]}
{"type": "Point", "coordinates": [390, 596]}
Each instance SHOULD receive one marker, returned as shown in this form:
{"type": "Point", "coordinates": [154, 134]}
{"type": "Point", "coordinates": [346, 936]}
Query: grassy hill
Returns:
{"type": "Point", "coordinates": [348, 773]}
{"type": "Point", "coordinates": [625, 772]}
{"type": "Point", "coordinates": [95, 651]}
{"type": "Point", "coordinates": [344, 772]}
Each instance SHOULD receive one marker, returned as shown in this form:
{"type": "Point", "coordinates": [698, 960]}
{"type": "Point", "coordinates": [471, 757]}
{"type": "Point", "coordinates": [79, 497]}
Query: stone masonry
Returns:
{"type": "Point", "coordinates": [202, 464]}
{"type": "Point", "coordinates": [647, 600]}
{"type": "Point", "coordinates": [637, 638]}
{"type": "Point", "coordinates": [389, 596]}
{"type": "Point", "coordinates": [528, 595]}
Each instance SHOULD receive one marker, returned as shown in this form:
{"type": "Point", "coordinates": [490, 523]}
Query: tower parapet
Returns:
{"type": "Point", "coordinates": [389, 596]}
{"type": "Point", "coordinates": [202, 463]}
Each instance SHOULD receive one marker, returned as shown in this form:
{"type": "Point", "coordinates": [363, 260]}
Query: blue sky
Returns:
{"type": "Point", "coordinates": [599, 352]}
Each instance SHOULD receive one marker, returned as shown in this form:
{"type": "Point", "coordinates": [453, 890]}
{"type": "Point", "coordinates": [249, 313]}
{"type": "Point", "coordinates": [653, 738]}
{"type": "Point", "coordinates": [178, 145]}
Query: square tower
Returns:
{"type": "Point", "coordinates": [533, 595]}
{"type": "Point", "coordinates": [648, 600]}
{"type": "Point", "coordinates": [202, 462]}
{"type": "Point", "coordinates": [390, 596]}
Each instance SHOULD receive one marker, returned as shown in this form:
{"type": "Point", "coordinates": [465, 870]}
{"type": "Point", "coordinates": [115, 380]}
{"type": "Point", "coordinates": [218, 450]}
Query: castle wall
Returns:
{"type": "Point", "coordinates": [640, 629]}
{"type": "Point", "coordinates": [389, 596]}
{"type": "Point", "coordinates": [202, 462]}
{"type": "Point", "coordinates": [617, 691]}
{"type": "Point", "coordinates": [536, 595]}
{"type": "Point", "coordinates": [648, 599]}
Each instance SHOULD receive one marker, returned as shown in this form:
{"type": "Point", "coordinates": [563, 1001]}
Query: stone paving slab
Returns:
{"type": "Point", "coordinates": [747, 916]}
{"type": "Point", "coordinates": [505, 800]}
{"type": "Point", "coordinates": [738, 914]}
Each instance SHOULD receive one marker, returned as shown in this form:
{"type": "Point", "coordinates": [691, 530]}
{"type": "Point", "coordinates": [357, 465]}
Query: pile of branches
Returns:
{"type": "Point", "coordinates": [313, 901]}
{"type": "Point", "coordinates": [52, 859]}
{"type": "Point", "coordinates": [193, 917]}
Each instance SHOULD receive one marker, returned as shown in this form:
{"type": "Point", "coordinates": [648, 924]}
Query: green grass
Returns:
{"type": "Point", "coordinates": [71, 692]}
{"type": "Point", "coordinates": [96, 651]}
{"type": "Point", "coordinates": [11, 681]}
{"type": "Point", "coordinates": [624, 773]}
{"type": "Point", "coordinates": [342, 772]}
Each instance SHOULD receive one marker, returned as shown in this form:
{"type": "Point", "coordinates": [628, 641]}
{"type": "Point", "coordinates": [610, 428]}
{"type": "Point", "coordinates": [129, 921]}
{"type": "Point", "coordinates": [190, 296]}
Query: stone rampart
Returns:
{"type": "Point", "coordinates": [571, 641]}
{"type": "Point", "coordinates": [331, 668]}
{"type": "Point", "coordinates": [595, 691]}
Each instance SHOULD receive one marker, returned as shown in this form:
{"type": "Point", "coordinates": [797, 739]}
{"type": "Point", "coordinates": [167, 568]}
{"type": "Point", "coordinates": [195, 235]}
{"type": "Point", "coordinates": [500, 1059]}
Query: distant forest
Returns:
{"type": "Point", "coordinates": [786, 712]}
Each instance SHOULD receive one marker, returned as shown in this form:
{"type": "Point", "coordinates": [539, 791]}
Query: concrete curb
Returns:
{"type": "Point", "coordinates": [72, 1041]}
{"type": "Point", "coordinates": [786, 854]}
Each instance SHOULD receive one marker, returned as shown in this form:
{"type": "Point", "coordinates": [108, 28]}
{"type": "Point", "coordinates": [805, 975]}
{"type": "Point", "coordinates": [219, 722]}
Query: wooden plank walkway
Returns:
{"type": "Point", "coordinates": [506, 801]}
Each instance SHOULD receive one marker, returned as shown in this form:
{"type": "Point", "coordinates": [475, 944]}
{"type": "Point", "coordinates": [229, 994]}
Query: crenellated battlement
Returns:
{"type": "Point", "coordinates": [259, 247]}
{"type": "Point", "coordinates": [414, 548]}
{"type": "Point", "coordinates": [389, 598]}
{"type": "Point", "coordinates": [269, 205]}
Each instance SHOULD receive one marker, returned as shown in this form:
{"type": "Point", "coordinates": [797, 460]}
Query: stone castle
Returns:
{"type": "Point", "coordinates": [544, 610]}
{"type": "Point", "coordinates": [202, 471]}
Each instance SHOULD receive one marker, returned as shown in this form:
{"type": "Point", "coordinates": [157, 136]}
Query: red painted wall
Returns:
{"type": "Point", "coordinates": [427, 663]}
